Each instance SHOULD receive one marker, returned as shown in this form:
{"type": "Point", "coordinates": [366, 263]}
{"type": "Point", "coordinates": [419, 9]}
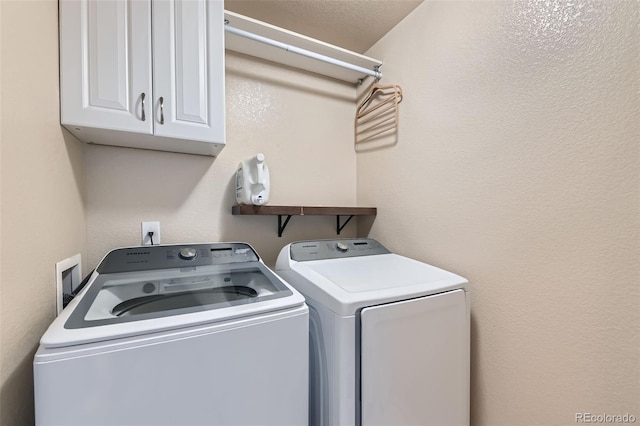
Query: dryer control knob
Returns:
{"type": "Point", "coordinates": [342, 247]}
{"type": "Point", "coordinates": [187, 253]}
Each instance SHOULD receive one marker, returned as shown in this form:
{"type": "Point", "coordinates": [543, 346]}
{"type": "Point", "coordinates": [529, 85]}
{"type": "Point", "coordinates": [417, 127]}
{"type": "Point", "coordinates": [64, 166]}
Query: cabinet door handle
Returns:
{"type": "Point", "coordinates": [161, 110]}
{"type": "Point", "coordinates": [144, 117]}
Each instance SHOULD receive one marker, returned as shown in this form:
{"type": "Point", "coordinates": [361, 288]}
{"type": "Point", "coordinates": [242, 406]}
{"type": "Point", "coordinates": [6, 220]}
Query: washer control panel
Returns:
{"type": "Point", "coordinates": [304, 251]}
{"type": "Point", "coordinates": [175, 256]}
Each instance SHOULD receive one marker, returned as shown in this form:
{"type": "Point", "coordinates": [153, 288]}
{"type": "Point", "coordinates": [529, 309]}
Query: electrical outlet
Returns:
{"type": "Point", "coordinates": [150, 227]}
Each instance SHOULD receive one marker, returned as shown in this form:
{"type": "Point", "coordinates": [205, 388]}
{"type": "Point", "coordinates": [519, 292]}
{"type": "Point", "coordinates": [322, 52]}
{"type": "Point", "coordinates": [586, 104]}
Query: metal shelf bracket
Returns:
{"type": "Point", "coordinates": [284, 213]}
{"type": "Point", "coordinates": [341, 227]}
{"type": "Point", "coordinates": [281, 225]}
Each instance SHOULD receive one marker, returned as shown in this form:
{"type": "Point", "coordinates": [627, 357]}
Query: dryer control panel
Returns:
{"type": "Point", "coordinates": [305, 251]}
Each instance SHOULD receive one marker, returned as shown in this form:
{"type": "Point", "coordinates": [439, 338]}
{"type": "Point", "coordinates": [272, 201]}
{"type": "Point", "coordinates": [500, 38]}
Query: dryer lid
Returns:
{"type": "Point", "coordinates": [382, 272]}
{"type": "Point", "coordinates": [362, 275]}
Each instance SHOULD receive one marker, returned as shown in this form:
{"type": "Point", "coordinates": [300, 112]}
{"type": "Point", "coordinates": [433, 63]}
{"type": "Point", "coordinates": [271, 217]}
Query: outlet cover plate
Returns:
{"type": "Point", "coordinates": [150, 227]}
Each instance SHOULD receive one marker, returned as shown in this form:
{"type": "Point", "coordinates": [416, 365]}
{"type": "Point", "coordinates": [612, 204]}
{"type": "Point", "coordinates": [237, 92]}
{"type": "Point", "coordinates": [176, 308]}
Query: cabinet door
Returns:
{"type": "Point", "coordinates": [415, 362]}
{"type": "Point", "coordinates": [188, 69]}
{"type": "Point", "coordinates": [105, 64]}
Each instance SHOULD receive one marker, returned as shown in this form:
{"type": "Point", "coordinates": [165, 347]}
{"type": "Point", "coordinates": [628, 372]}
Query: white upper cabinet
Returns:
{"type": "Point", "coordinates": [144, 73]}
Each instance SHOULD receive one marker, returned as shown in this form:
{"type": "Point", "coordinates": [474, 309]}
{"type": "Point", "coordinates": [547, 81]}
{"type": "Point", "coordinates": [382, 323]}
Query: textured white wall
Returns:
{"type": "Point", "coordinates": [301, 122]}
{"type": "Point", "coordinates": [517, 165]}
{"type": "Point", "coordinates": [42, 215]}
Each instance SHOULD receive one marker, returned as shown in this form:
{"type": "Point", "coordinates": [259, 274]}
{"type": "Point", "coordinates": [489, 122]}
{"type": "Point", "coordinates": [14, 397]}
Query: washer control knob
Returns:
{"type": "Point", "coordinates": [342, 247]}
{"type": "Point", "coordinates": [187, 253]}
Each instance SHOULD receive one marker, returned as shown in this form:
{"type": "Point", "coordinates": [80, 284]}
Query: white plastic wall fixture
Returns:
{"type": "Point", "coordinates": [68, 277]}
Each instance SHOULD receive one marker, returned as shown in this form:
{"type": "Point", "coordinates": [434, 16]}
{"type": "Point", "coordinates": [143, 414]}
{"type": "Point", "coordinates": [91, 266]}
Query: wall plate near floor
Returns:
{"type": "Point", "coordinates": [68, 278]}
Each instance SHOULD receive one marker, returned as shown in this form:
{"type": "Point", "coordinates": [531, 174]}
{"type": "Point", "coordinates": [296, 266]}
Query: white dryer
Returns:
{"type": "Point", "coordinates": [389, 335]}
{"type": "Point", "coordinates": [200, 334]}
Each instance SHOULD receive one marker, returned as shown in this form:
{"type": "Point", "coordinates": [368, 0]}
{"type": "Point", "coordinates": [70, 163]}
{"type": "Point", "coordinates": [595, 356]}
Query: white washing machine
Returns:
{"type": "Point", "coordinates": [200, 334]}
{"type": "Point", "coordinates": [389, 335]}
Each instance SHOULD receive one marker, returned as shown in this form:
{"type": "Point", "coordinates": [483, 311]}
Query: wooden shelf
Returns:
{"type": "Point", "coordinates": [289, 211]}
{"type": "Point", "coordinates": [302, 210]}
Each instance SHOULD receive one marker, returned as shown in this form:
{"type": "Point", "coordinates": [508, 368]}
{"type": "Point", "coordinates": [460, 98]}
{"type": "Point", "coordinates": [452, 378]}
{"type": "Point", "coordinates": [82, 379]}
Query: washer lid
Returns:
{"type": "Point", "coordinates": [136, 301]}
{"type": "Point", "coordinates": [348, 284]}
{"type": "Point", "coordinates": [136, 296]}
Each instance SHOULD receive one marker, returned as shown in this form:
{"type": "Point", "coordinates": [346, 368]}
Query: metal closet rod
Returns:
{"type": "Point", "coordinates": [246, 34]}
